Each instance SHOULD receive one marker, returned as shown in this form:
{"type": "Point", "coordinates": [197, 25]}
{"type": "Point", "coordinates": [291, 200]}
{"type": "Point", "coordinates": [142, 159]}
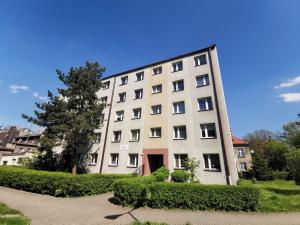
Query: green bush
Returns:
{"type": "Point", "coordinates": [161, 174]}
{"type": "Point", "coordinates": [56, 183]}
{"type": "Point", "coordinates": [132, 191]}
{"type": "Point", "coordinates": [280, 175]}
{"type": "Point", "coordinates": [203, 197]}
{"type": "Point", "coordinates": [180, 176]}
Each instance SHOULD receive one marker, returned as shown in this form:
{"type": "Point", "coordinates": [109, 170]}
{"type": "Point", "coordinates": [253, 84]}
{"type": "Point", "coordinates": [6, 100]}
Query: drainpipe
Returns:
{"type": "Point", "coordinates": [225, 159]}
{"type": "Point", "coordinates": [107, 125]}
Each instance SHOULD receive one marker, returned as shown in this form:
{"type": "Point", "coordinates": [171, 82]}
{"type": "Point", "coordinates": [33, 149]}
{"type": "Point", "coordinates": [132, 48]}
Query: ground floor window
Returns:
{"type": "Point", "coordinates": [132, 160]}
{"type": "Point", "coordinates": [212, 162]}
{"type": "Point", "coordinates": [180, 160]}
{"type": "Point", "coordinates": [114, 159]}
{"type": "Point", "coordinates": [94, 158]}
{"type": "Point", "coordinates": [243, 166]}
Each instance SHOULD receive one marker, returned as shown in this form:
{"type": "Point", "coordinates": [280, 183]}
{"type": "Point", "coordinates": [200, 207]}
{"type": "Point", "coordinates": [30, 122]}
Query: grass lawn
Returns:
{"type": "Point", "coordinates": [15, 217]}
{"type": "Point", "coordinates": [277, 195]}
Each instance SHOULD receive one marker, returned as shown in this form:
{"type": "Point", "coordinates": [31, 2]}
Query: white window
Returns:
{"type": "Point", "coordinates": [105, 85]}
{"type": "Point", "coordinates": [177, 66]}
{"type": "Point", "coordinates": [103, 100]}
{"type": "Point", "coordinates": [241, 153]}
{"type": "Point", "coordinates": [119, 115]}
{"type": "Point", "coordinates": [155, 132]}
{"type": "Point", "coordinates": [94, 158]}
{"type": "Point", "coordinates": [98, 137]}
{"type": "Point", "coordinates": [140, 76]}
{"type": "Point", "coordinates": [180, 160]}
{"type": "Point", "coordinates": [178, 85]}
{"type": "Point", "coordinates": [205, 104]}
{"type": "Point", "coordinates": [178, 107]}
{"type": "Point", "coordinates": [202, 80]}
{"type": "Point", "coordinates": [157, 70]}
{"type": "Point", "coordinates": [208, 130]}
{"type": "Point", "coordinates": [124, 80]}
{"type": "Point", "coordinates": [114, 159]}
{"type": "Point", "coordinates": [122, 97]}
{"type": "Point", "coordinates": [156, 109]}
{"type": "Point", "coordinates": [138, 93]}
{"type": "Point", "coordinates": [132, 160]}
{"type": "Point", "coordinates": [156, 89]}
{"type": "Point", "coordinates": [136, 113]}
{"type": "Point", "coordinates": [116, 136]}
{"type": "Point", "coordinates": [243, 166]}
{"type": "Point", "coordinates": [135, 135]}
{"type": "Point", "coordinates": [200, 60]}
{"type": "Point", "coordinates": [179, 132]}
{"type": "Point", "coordinates": [212, 162]}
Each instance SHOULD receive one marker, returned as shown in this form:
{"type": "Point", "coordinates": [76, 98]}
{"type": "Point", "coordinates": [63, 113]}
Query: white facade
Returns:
{"type": "Point", "coordinates": [165, 134]}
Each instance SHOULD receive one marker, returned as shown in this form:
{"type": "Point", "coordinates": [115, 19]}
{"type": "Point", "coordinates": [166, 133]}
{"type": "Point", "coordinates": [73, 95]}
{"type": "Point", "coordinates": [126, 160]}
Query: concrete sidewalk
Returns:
{"type": "Point", "coordinates": [48, 210]}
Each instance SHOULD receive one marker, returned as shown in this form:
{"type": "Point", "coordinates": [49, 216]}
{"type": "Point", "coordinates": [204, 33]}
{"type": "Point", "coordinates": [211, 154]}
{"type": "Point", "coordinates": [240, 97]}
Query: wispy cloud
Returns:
{"type": "Point", "coordinates": [289, 83]}
{"type": "Point", "coordinates": [290, 97]}
{"type": "Point", "coordinates": [36, 95]}
{"type": "Point", "coordinates": [17, 88]}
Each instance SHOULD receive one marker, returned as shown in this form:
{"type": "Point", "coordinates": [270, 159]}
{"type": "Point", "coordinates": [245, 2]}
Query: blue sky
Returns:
{"type": "Point", "coordinates": [258, 45]}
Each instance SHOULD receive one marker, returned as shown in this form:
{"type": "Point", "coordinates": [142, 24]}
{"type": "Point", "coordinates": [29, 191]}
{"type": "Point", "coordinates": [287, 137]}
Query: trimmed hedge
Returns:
{"type": "Point", "coordinates": [280, 175]}
{"type": "Point", "coordinates": [146, 191]}
{"type": "Point", "coordinates": [203, 197]}
{"type": "Point", "coordinates": [180, 176]}
{"type": "Point", "coordinates": [57, 183]}
{"type": "Point", "coordinates": [132, 191]}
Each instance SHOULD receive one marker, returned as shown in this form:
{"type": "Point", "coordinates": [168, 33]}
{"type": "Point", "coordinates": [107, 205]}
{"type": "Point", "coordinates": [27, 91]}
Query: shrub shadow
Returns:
{"type": "Point", "coordinates": [284, 191]}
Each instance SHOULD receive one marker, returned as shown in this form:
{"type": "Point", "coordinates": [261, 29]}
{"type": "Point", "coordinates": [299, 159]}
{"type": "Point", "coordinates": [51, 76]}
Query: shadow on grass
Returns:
{"type": "Point", "coordinates": [283, 191]}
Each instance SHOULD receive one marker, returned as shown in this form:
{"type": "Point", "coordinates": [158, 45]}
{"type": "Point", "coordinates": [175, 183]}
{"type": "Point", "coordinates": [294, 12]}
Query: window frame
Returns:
{"type": "Point", "coordinates": [105, 85]}
{"type": "Point", "coordinates": [154, 91]}
{"type": "Point", "coordinates": [176, 67]}
{"type": "Point", "coordinates": [138, 135]}
{"type": "Point", "coordinates": [119, 139]}
{"type": "Point", "coordinates": [141, 74]}
{"type": "Point", "coordinates": [140, 96]}
{"type": "Point", "coordinates": [207, 82]}
{"type": "Point", "coordinates": [208, 104]}
{"type": "Point", "coordinates": [140, 113]}
{"type": "Point", "coordinates": [94, 159]}
{"type": "Point", "coordinates": [126, 80]}
{"type": "Point", "coordinates": [117, 159]}
{"type": "Point", "coordinates": [136, 160]}
{"type": "Point", "coordinates": [119, 116]}
{"type": "Point", "coordinates": [176, 82]}
{"type": "Point", "coordinates": [180, 162]}
{"type": "Point", "coordinates": [177, 103]}
{"type": "Point", "coordinates": [176, 131]}
{"type": "Point", "coordinates": [159, 68]}
{"type": "Point", "coordinates": [155, 136]}
{"type": "Point", "coordinates": [209, 162]}
{"type": "Point", "coordinates": [124, 94]}
{"type": "Point", "coordinates": [206, 131]}
{"type": "Point", "coordinates": [159, 107]}
{"type": "Point", "coordinates": [197, 60]}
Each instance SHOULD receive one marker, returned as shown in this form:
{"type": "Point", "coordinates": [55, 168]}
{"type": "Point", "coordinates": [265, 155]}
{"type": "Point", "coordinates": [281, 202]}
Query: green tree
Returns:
{"type": "Point", "coordinates": [294, 164]}
{"type": "Point", "coordinates": [292, 132]}
{"type": "Point", "coordinates": [71, 117]}
{"type": "Point", "coordinates": [192, 165]}
{"type": "Point", "coordinates": [260, 167]}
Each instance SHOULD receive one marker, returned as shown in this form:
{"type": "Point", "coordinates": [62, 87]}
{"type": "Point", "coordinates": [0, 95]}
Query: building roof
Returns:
{"type": "Point", "coordinates": [2, 148]}
{"type": "Point", "coordinates": [160, 62]}
{"type": "Point", "coordinates": [238, 141]}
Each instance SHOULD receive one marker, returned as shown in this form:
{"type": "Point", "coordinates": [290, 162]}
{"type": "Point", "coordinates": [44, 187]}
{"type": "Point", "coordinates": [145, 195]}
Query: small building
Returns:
{"type": "Point", "coordinates": [242, 154]}
{"type": "Point", "coordinates": [22, 146]}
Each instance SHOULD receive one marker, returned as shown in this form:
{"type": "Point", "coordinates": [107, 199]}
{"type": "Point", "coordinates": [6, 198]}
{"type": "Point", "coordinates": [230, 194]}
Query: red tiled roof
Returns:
{"type": "Point", "coordinates": [238, 141]}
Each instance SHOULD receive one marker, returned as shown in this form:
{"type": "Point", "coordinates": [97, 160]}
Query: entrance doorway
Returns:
{"type": "Point", "coordinates": [155, 162]}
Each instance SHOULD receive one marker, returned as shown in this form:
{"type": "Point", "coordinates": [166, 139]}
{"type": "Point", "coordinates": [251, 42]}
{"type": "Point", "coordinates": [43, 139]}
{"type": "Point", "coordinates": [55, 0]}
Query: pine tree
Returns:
{"type": "Point", "coordinates": [72, 116]}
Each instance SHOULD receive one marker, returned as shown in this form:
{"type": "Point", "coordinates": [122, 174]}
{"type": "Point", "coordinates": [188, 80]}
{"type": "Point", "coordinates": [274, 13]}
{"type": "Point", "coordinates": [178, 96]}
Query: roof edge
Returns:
{"type": "Point", "coordinates": [160, 62]}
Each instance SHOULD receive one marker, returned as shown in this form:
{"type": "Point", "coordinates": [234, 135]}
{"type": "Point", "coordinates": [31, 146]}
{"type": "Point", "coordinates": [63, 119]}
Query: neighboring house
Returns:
{"type": "Point", "coordinates": [163, 113]}
{"type": "Point", "coordinates": [7, 135]}
{"type": "Point", "coordinates": [242, 154]}
{"type": "Point", "coordinates": [22, 146]}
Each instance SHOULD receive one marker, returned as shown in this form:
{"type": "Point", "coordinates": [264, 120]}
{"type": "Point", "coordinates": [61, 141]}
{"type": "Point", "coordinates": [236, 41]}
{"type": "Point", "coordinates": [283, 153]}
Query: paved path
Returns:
{"type": "Point", "coordinates": [94, 210]}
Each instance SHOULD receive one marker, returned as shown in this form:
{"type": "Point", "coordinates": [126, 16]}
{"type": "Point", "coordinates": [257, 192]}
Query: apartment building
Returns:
{"type": "Point", "coordinates": [242, 154]}
{"type": "Point", "coordinates": [163, 113]}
